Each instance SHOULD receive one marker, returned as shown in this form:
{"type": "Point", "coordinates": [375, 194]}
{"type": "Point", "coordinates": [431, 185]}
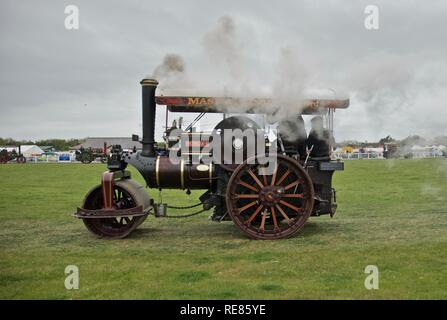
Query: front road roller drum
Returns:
{"type": "Point", "coordinates": [126, 194]}
{"type": "Point", "coordinates": [270, 206]}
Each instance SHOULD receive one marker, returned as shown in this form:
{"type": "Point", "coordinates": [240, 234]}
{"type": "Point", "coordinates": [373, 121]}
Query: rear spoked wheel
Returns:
{"type": "Point", "coordinates": [21, 159]}
{"type": "Point", "coordinates": [86, 158]}
{"type": "Point", "coordinates": [270, 203]}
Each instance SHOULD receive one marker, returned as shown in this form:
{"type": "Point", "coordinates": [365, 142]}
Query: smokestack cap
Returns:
{"type": "Point", "coordinates": [149, 82]}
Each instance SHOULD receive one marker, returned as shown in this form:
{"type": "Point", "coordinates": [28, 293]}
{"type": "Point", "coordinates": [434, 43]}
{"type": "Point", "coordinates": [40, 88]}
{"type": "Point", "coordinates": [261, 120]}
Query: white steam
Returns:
{"type": "Point", "coordinates": [384, 85]}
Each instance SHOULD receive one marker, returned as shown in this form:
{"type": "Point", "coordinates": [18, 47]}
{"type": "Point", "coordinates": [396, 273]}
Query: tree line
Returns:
{"type": "Point", "coordinates": [58, 144]}
{"type": "Point", "coordinates": [408, 141]}
{"type": "Point", "coordinates": [66, 144]}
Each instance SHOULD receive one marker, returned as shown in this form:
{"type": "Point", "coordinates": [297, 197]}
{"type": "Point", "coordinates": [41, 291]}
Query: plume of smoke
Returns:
{"type": "Point", "coordinates": [396, 89]}
{"type": "Point", "coordinates": [385, 85]}
{"type": "Point", "coordinates": [171, 72]}
{"type": "Point", "coordinates": [289, 86]}
{"type": "Point", "coordinates": [377, 81]}
{"type": "Point", "coordinates": [222, 51]}
{"type": "Point", "coordinates": [228, 69]}
{"type": "Point", "coordinates": [172, 64]}
{"type": "Point", "coordinates": [232, 66]}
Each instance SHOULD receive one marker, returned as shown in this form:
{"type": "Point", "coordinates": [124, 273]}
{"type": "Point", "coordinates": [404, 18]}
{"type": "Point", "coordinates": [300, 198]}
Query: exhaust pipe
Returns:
{"type": "Point", "coordinates": [148, 87]}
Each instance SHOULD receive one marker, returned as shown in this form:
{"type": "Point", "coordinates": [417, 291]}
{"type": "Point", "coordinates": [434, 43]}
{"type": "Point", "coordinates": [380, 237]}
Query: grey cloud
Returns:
{"type": "Point", "coordinates": [59, 83]}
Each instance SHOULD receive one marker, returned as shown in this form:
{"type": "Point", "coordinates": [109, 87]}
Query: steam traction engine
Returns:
{"type": "Point", "coordinates": [265, 199]}
{"type": "Point", "coordinates": [6, 156]}
{"type": "Point", "coordinates": [88, 155]}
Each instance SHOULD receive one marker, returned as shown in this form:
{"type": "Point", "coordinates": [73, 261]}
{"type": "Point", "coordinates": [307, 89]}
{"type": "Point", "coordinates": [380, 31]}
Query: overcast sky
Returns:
{"type": "Point", "coordinates": [59, 83]}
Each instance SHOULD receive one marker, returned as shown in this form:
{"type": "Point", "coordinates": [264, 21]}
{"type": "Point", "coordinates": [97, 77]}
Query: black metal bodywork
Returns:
{"type": "Point", "coordinates": [160, 173]}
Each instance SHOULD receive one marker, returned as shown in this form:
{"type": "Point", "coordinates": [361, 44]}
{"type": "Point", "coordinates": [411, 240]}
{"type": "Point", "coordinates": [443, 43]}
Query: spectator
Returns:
{"type": "Point", "coordinates": [320, 140]}
{"type": "Point", "coordinates": [293, 135]}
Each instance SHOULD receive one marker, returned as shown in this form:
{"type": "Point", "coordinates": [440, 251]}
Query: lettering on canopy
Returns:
{"type": "Point", "coordinates": [201, 101]}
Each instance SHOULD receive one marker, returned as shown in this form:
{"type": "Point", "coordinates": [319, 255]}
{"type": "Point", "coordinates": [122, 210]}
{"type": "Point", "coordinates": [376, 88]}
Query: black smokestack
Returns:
{"type": "Point", "coordinates": [148, 87]}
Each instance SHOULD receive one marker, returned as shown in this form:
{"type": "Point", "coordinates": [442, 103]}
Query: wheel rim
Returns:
{"type": "Point", "coordinates": [111, 227]}
{"type": "Point", "coordinates": [86, 159]}
{"type": "Point", "coordinates": [270, 206]}
{"type": "Point", "coordinates": [21, 159]}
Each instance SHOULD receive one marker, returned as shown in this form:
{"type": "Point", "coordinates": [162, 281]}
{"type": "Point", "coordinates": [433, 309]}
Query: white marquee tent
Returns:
{"type": "Point", "coordinates": [31, 150]}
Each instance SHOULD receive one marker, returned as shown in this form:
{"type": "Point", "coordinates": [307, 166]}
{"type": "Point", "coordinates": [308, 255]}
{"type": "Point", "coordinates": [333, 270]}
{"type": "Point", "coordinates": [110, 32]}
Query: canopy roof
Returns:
{"type": "Point", "coordinates": [245, 105]}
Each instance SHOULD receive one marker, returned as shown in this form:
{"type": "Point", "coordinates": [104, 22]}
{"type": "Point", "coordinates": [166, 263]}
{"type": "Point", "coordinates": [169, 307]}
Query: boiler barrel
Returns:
{"type": "Point", "coordinates": [181, 175]}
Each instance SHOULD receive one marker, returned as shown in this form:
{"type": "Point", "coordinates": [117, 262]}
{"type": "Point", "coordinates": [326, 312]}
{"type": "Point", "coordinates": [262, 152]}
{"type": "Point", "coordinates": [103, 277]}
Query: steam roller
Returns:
{"type": "Point", "coordinates": [267, 186]}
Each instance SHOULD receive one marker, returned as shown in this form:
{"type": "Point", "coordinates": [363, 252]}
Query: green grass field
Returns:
{"type": "Point", "coordinates": [391, 214]}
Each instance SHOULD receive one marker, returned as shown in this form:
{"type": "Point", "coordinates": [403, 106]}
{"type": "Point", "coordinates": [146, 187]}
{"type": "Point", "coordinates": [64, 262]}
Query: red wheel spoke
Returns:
{"type": "Point", "coordinates": [274, 206]}
{"type": "Point", "coordinates": [275, 222]}
{"type": "Point", "coordinates": [283, 177]}
{"type": "Point", "coordinates": [261, 227]}
{"type": "Point", "coordinates": [264, 177]}
{"type": "Point", "coordinates": [254, 215]}
{"type": "Point", "coordinates": [293, 184]}
{"type": "Point", "coordinates": [293, 195]}
{"type": "Point", "coordinates": [291, 206]}
{"type": "Point", "coordinates": [255, 178]}
{"type": "Point", "coordinates": [283, 213]}
{"type": "Point", "coordinates": [246, 185]}
{"type": "Point", "coordinates": [247, 196]}
{"type": "Point", "coordinates": [251, 204]}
